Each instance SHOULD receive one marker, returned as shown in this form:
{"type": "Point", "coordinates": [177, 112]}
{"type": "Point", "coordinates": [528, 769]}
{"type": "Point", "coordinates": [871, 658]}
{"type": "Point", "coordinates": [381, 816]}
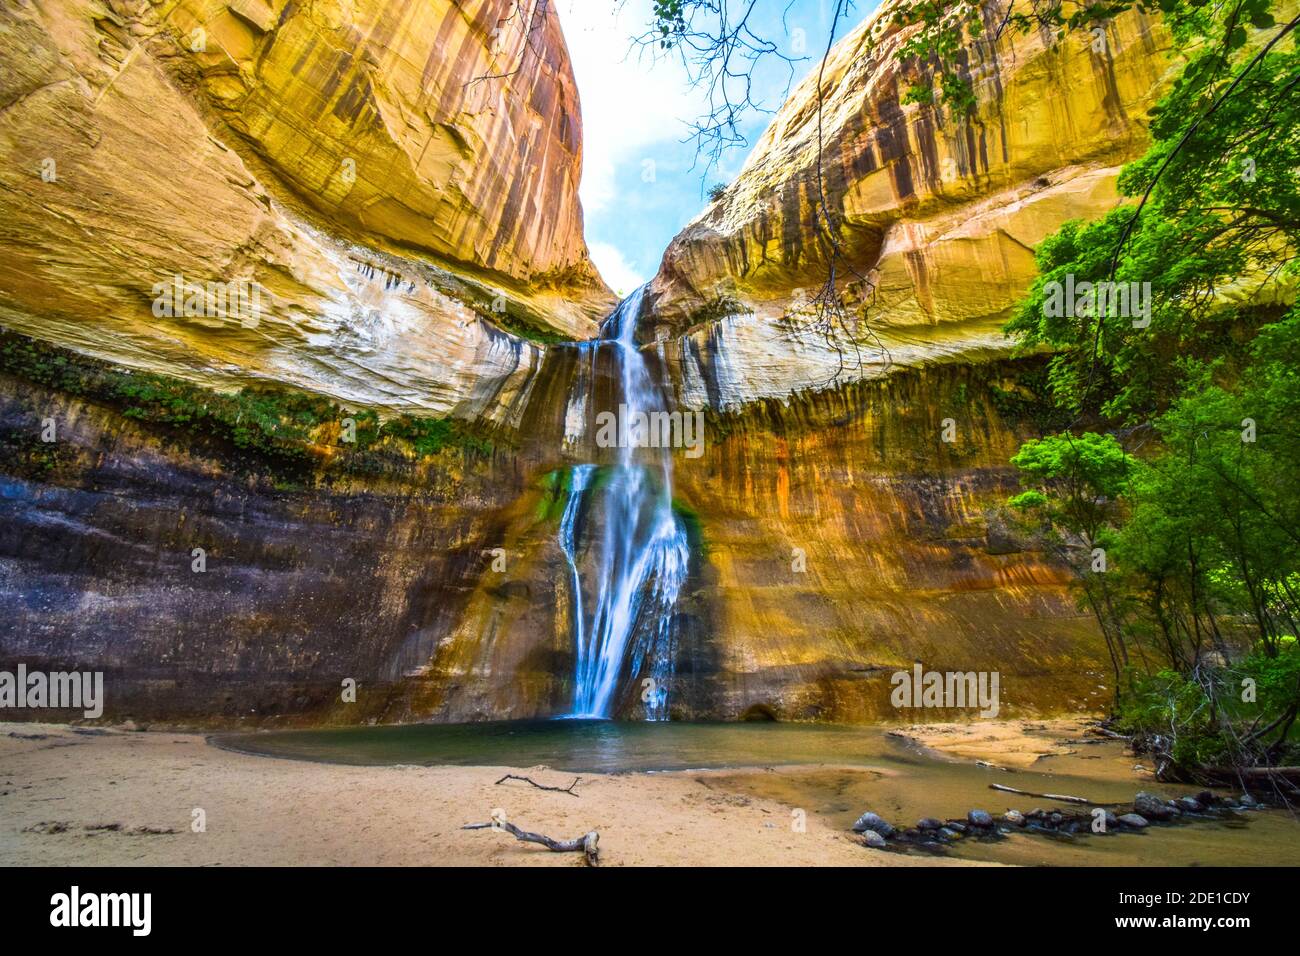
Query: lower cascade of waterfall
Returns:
{"type": "Point", "coordinates": [640, 554]}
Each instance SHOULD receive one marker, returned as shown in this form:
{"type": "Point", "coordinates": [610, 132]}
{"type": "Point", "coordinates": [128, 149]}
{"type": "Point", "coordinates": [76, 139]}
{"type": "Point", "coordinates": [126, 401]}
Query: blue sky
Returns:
{"type": "Point", "coordinates": [638, 188]}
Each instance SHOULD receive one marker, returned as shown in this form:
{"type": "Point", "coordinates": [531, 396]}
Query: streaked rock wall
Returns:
{"type": "Point", "coordinates": [400, 219]}
{"type": "Point", "coordinates": [938, 214]}
{"type": "Point", "coordinates": [843, 540]}
{"type": "Point", "coordinates": [392, 579]}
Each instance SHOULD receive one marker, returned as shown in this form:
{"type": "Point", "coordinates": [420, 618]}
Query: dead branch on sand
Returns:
{"type": "Point", "coordinates": [586, 844]}
{"type": "Point", "coordinates": [568, 789]}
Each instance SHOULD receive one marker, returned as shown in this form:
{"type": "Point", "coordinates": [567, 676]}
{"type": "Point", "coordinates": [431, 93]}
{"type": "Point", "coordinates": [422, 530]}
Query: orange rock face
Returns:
{"type": "Point", "coordinates": [399, 179]}
{"type": "Point", "coordinates": [936, 215]}
{"type": "Point", "coordinates": [454, 127]}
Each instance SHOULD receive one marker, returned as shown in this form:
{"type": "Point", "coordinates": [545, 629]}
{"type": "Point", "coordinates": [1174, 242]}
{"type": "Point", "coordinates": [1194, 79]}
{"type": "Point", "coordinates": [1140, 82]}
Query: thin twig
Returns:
{"type": "Point", "coordinates": [568, 789]}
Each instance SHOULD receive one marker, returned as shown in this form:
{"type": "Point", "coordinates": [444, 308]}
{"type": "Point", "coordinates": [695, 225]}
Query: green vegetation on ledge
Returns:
{"type": "Point", "coordinates": [289, 433]}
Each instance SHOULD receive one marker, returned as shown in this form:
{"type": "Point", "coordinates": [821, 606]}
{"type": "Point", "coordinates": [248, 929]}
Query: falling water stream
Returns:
{"type": "Point", "coordinates": [639, 557]}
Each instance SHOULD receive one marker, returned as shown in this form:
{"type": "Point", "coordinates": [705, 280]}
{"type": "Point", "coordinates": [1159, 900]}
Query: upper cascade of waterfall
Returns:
{"type": "Point", "coordinates": [620, 325]}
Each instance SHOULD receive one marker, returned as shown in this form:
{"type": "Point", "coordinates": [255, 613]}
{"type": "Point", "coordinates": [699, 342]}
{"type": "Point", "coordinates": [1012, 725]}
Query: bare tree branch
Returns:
{"type": "Point", "coordinates": [568, 789]}
{"type": "Point", "coordinates": [720, 50]}
{"type": "Point", "coordinates": [587, 844]}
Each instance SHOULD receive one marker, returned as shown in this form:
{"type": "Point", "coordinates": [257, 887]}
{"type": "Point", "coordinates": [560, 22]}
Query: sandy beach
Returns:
{"type": "Point", "coordinates": [113, 797]}
{"type": "Point", "coordinates": [1005, 743]}
{"type": "Point", "coordinates": [72, 795]}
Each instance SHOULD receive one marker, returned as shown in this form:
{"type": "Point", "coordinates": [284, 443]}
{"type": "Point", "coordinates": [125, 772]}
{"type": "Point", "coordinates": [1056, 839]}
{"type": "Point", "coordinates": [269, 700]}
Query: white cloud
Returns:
{"type": "Point", "coordinates": [618, 273]}
{"type": "Point", "coordinates": [629, 103]}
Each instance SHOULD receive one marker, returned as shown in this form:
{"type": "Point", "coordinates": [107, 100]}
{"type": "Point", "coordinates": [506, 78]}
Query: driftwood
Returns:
{"type": "Point", "coordinates": [586, 844]}
{"type": "Point", "coordinates": [568, 789]}
{"type": "Point", "coordinates": [1290, 774]}
{"type": "Point", "coordinates": [1051, 796]}
{"type": "Point", "coordinates": [1107, 732]}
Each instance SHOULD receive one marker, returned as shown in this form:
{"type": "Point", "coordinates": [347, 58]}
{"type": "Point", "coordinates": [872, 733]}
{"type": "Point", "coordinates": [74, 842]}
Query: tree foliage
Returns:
{"type": "Point", "coordinates": [1181, 460]}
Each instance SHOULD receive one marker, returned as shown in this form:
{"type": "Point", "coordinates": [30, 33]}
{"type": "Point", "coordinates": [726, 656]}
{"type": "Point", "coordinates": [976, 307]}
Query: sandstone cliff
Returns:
{"type": "Point", "coordinates": [939, 213]}
{"type": "Point", "coordinates": [399, 179]}
{"type": "Point", "coordinates": [452, 127]}
{"type": "Point", "coordinates": [834, 536]}
{"type": "Point", "coordinates": [833, 540]}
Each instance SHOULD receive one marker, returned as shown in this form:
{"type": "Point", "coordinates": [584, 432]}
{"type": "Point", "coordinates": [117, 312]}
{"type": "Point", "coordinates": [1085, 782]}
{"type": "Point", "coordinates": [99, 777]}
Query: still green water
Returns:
{"type": "Point", "coordinates": [835, 772]}
{"type": "Point", "coordinates": [578, 746]}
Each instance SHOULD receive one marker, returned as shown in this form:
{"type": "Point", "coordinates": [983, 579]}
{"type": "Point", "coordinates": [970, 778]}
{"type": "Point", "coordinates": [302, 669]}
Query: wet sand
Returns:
{"type": "Point", "coordinates": [98, 798]}
{"type": "Point", "coordinates": [1010, 743]}
{"type": "Point", "coordinates": [112, 797]}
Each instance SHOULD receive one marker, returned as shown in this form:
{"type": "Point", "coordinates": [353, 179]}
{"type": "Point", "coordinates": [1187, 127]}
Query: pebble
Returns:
{"type": "Point", "coordinates": [1014, 817]}
{"type": "Point", "coordinates": [874, 840]}
{"type": "Point", "coordinates": [980, 818]}
{"type": "Point", "coordinates": [871, 822]}
{"type": "Point", "coordinates": [1133, 820]}
{"type": "Point", "coordinates": [929, 823]}
{"type": "Point", "coordinates": [1153, 807]}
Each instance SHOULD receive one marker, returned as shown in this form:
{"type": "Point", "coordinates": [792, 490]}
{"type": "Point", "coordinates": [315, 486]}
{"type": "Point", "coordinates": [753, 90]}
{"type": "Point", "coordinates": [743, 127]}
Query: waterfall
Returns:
{"type": "Point", "coordinates": [640, 556]}
{"type": "Point", "coordinates": [578, 481]}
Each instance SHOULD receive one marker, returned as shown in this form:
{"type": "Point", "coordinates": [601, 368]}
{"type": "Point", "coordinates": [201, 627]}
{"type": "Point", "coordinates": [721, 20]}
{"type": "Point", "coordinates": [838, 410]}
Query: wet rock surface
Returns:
{"type": "Point", "coordinates": [300, 588]}
{"type": "Point", "coordinates": [1153, 807]}
{"type": "Point", "coordinates": [873, 823]}
{"type": "Point", "coordinates": [931, 834]}
{"type": "Point", "coordinates": [893, 528]}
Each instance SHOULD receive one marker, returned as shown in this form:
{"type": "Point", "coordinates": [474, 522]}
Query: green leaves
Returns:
{"type": "Point", "coordinates": [669, 19]}
{"type": "Point", "coordinates": [936, 49]}
{"type": "Point", "coordinates": [1075, 479]}
{"type": "Point", "coordinates": [1223, 213]}
{"type": "Point", "coordinates": [1198, 507]}
{"type": "Point", "coordinates": [1095, 462]}
{"type": "Point", "coordinates": [1028, 500]}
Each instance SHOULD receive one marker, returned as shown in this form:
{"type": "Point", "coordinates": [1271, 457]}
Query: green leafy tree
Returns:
{"type": "Point", "coordinates": [1199, 400]}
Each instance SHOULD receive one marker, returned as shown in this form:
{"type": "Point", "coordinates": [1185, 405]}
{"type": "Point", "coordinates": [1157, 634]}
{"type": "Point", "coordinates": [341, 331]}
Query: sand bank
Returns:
{"type": "Point", "coordinates": [72, 796]}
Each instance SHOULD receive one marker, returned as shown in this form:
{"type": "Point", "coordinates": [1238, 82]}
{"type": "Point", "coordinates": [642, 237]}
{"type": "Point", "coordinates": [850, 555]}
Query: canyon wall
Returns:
{"type": "Point", "coordinates": [834, 540]}
{"type": "Point", "coordinates": [398, 179]}
{"type": "Point", "coordinates": [845, 539]}
{"type": "Point", "coordinates": [296, 590]}
{"type": "Point", "coordinates": [935, 215]}
{"type": "Point", "coordinates": [836, 536]}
